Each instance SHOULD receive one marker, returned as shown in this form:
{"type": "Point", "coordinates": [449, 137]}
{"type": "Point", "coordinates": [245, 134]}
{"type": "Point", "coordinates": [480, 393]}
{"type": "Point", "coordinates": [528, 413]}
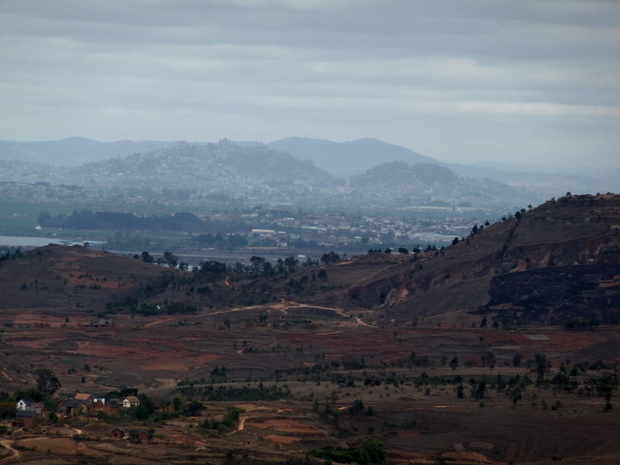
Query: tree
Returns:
{"type": "Point", "coordinates": [147, 257]}
{"type": "Point", "coordinates": [290, 263]}
{"type": "Point", "coordinates": [479, 389]}
{"type": "Point", "coordinates": [489, 359]}
{"type": "Point", "coordinates": [47, 382]}
{"type": "Point", "coordinates": [147, 403]}
{"type": "Point", "coordinates": [374, 449]}
{"type": "Point", "coordinates": [170, 258]}
{"type": "Point", "coordinates": [257, 263]}
{"type": "Point", "coordinates": [516, 360]}
{"type": "Point", "coordinates": [454, 363]}
{"type": "Point", "coordinates": [44, 218]}
{"type": "Point", "coordinates": [267, 269]}
{"type": "Point", "coordinates": [605, 385]}
{"type": "Point", "coordinates": [141, 412]}
{"type": "Point", "coordinates": [357, 407]}
{"type": "Point", "coordinates": [541, 367]}
{"type": "Point", "coordinates": [7, 410]}
{"type": "Point", "coordinates": [331, 257]}
{"type": "Point", "coordinates": [193, 408]}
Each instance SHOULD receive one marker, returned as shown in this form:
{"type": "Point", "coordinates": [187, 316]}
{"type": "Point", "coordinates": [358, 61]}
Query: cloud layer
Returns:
{"type": "Point", "coordinates": [458, 80]}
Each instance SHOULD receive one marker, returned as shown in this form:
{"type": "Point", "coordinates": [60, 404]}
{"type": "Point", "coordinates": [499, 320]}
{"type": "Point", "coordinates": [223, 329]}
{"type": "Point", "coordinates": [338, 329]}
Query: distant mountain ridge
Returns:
{"type": "Point", "coordinates": [263, 174]}
{"type": "Point", "coordinates": [348, 158]}
{"type": "Point", "coordinates": [47, 161]}
{"type": "Point", "coordinates": [75, 151]}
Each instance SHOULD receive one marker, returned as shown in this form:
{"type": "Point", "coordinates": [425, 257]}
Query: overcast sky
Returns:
{"type": "Point", "coordinates": [461, 81]}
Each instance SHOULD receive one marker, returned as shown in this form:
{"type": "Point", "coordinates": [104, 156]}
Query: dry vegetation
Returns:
{"type": "Point", "coordinates": [403, 376]}
{"type": "Point", "coordinates": [267, 368]}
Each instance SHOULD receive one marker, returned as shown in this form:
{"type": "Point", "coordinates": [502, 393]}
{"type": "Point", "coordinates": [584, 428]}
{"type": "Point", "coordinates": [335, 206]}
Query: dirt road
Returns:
{"type": "Point", "coordinates": [9, 446]}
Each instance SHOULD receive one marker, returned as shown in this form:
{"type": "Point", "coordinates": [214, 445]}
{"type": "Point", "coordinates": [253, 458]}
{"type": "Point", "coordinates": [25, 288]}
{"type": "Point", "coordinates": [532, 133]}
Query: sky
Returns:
{"type": "Point", "coordinates": [458, 80]}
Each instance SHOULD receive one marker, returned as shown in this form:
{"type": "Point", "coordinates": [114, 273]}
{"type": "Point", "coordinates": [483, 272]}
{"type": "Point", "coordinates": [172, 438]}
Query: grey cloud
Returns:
{"type": "Point", "coordinates": [449, 79]}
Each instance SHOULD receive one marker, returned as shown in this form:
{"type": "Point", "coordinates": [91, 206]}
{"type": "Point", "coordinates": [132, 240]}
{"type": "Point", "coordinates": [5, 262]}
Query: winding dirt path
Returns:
{"type": "Point", "coordinates": [9, 446]}
{"type": "Point", "coordinates": [240, 426]}
{"type": "Point", "coordinates": [159, 321]}
{"type": "Point", "coordinates": [242, 419]}
{"type": "Point", "coordinates": [336, 310]}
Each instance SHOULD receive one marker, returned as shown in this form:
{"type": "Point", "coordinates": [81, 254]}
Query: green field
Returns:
{"type": "Point", "coordinates": [20, 218]}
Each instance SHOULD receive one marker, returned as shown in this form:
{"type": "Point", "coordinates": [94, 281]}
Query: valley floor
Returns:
{"type": "Point", "coordinates": [407, 379]}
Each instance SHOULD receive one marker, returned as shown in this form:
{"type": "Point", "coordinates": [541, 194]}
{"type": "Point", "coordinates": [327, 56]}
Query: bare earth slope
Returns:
{"type": "Point", "coordinates": [57, 277]}
{"type": "Point", "coordinates": [570, 238]}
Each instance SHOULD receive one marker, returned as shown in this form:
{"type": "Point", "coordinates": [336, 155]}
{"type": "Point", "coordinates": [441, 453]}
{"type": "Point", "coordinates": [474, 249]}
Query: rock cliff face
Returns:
{"type": "Point", "coordinates": [530, 269]}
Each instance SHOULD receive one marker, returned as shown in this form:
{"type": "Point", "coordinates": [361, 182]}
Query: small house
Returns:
{"type": "Point", "coordinates": [98, 401]}
{"type": "Point", "coordinates": [25, 418]}
{"type": "Point", "coordinates": [76, 407]}
{"type": "Point", "coordinates": [28, 403]}
{"type": "Point", "coordinates": [140, 435]}
{"type": "Point", "coordinates": [82, 396]}
{"type": "Point", "coordinates": [24, 402]}
{"type": "Point", "coordinates": [118, 433]}
{"type": "Point", "coordinates": [104, 324]}
{"type": "Point", "coordinates": [113, 406]}
{"type": "Point", "coordinates": [131, 401]}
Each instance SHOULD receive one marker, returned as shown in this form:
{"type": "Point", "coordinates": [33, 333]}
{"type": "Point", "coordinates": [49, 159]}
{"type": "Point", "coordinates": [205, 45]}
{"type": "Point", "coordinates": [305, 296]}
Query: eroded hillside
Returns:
{"type": "Point", "coordinates": [578, 233]}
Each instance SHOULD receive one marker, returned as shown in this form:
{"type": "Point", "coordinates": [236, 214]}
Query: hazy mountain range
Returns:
{"type": "Point", "coordinates": [74, 151]}
{"type": "Point", "coordinates": [31, 162]}
{"type": "Point", "coordinates": [348, 158]}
